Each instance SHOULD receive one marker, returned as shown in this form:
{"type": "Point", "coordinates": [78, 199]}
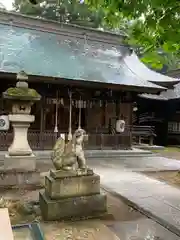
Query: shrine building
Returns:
{"type": "Point", "coordinates": [104, 76]}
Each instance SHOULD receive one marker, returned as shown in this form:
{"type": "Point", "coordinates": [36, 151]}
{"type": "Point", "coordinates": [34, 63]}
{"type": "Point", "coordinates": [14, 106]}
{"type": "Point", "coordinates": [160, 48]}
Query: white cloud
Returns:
{"type": "Point", "coordinates": [6, 3]}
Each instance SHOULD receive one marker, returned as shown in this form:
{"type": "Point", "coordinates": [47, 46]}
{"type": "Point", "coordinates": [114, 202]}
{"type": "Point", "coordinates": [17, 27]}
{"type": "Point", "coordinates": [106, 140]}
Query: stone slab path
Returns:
{"type": "Point", "coordinates": [141, 164]}
{"type": "Point", "coordinates": [151, 162]}
{"type": "Point", "coordinates": [156, 199]}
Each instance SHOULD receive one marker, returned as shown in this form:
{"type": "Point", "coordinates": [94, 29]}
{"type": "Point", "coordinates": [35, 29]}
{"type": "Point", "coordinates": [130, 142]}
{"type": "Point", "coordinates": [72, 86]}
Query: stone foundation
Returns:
{"type": "Point", "coordinates": [86, 206]}
{"type": "Point", "coordinates": [72, 196]}
{"type": "Point", "coordinates": [18, 178]}
{"type": "Point", "coordinates": [24, 163]}
{"type": "Point", "coordinates": [19, 171]}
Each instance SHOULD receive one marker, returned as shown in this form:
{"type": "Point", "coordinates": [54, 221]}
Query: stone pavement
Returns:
{"type": "Point", "coordinates": [151, 162]}
{"type": "Point", "coordinates": [156, 199]}
{"type": "Point", "coordinates": [141, 164]}
{"type": "Point", "coordinates": [142, 229]}
{"type": "Point", "coordinates": [121, 223]}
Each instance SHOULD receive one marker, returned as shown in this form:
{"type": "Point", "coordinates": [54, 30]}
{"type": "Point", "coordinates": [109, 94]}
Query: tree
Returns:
{"type": "Point", "coordinates": [153, 24]}
{"type": "Point", "coordinates": [145, 22]}
{"type": "Point", "coordinates": [63, 10]}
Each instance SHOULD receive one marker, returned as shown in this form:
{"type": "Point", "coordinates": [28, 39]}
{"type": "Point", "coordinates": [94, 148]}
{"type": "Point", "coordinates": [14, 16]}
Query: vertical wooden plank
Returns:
{"type": "Point", "coordinates": [1, 104]}
{"type": "Point", "coordinates": [104, 113]}
{"type": "Point", "coordinates": [118, 104]}
{"type": "Point", "coordinates": [42, 115]}
{"type": "Point", "coordinates": [5, 226]}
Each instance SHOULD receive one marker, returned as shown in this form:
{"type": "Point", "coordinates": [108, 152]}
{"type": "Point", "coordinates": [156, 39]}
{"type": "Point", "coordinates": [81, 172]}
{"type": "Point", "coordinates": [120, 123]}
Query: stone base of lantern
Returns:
{"type": "Point", "coordinates": [20, 171]}
{"type": "Point", "coordinates": [20, 179]}
{"type": "Point", "coordinates": [23, 163]}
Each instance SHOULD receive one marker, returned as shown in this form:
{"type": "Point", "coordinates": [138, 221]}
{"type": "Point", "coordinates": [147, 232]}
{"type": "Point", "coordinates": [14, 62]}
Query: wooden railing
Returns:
{"type": "Point", "coordinates": [140, 133]}
{"type": "Point", "coordinates": [109, 141]}
{"type": "Point", "coordinates": [46, 140]}
{"type": "Point", "coordinates": [97, 139]}
{"type": "Point", "coordinates": [144, 130]}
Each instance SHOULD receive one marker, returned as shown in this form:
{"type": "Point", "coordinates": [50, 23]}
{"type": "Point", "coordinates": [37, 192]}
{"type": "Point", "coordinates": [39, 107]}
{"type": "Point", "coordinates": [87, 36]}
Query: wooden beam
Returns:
{"type": "Point", "coordinates": [76, 83]}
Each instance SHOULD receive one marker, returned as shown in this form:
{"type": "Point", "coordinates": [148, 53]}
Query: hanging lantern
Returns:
{"type": "Point", "coordinates": [62, 101]}
{"type": "Point", "coordinates": [135, 108]}
{"type": "Point", "coordinates": [56, 114]}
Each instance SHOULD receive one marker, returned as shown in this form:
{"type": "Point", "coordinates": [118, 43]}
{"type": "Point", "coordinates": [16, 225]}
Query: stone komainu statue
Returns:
{"type": "Point", "coordinates": [66, 155]}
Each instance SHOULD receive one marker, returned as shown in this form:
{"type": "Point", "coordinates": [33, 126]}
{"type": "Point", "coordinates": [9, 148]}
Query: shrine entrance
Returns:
{"type": "Point", "coordinates": [52, 117]}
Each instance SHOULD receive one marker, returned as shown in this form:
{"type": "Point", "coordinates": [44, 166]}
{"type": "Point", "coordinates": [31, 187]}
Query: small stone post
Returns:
{"type": "Point", "coordinates": [20, 155]}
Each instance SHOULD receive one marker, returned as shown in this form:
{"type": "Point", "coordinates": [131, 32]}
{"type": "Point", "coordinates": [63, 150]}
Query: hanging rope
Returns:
{"type": "Point", "coordinates": [79, 122]}
{"type": "Point", "coordinates": [56, 114]}
{"type": "Point", "coordinates": [70, 116]}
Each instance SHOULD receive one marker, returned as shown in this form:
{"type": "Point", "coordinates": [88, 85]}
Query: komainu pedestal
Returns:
{"type": "Point", "coordinates": [68, 195]}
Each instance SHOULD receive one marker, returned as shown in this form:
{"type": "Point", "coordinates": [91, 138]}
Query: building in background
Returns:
{"type": "Point", "coordinates": [163, 112]}
{"type": "Point", "coordinates": [104, 77]}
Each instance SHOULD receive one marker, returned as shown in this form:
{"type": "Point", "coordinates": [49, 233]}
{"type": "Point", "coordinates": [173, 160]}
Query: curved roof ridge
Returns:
{"type": "Point", "coordinates": [142, 71]}
{"type": "Point", "coordinates": [11, 14]}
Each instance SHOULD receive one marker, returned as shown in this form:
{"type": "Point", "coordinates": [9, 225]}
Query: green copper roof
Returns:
{"type": "Point", "coordinates": [48, 54]}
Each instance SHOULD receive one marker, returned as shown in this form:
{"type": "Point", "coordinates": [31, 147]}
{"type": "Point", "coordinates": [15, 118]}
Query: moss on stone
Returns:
{"type": "Point", "coordinates": [22, 92]}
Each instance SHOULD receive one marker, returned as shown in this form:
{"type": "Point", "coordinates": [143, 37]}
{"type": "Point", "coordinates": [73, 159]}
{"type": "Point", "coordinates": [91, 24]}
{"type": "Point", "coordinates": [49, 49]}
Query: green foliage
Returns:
{"type": "Point", "coordinates": [153, 24]}
{"type": "Point", "coordinates": [17, 92]}
{"type": "Point", "coordinates": [68, 11]}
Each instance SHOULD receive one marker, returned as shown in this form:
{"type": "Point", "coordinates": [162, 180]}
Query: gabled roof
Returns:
{"type": "Point", "coordinates": [142, 71]}
{"type": "Point", "coordinates": [160, 97]}
{"type": "Point", "coordinates": [174, 73]}
{"type": "Point", "coordinates": [50, 49]}
{"type": "Point", "coordinates": [169, 94]}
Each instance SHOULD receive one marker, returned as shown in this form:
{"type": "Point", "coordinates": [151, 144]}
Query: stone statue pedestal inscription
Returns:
{"type": "Point", "coordinates": [71, 195]}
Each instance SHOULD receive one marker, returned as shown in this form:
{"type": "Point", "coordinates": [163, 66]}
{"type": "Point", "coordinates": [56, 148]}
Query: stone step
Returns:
{"type": "Point", "coordinates": [148, 147]}
{"type": "Point", "coordinates": [96, 154]}
{"type": "Point", "coordinates": [117, 156]}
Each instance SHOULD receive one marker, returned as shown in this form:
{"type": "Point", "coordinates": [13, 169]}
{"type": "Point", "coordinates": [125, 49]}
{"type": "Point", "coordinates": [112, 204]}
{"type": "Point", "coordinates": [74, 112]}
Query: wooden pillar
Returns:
{"type": "Point", "coordinates": [118, 104]}
{"type": "Point", "coordinates": [126, 110]}
{"type": "Point", "coordinates": [41, 117]}
{"type": "Point", "coordinates": [104, 113]}
{"type": "Point", "coordinates": [131, 100]}
{"type": "Point", "coordinates": [1, 104]}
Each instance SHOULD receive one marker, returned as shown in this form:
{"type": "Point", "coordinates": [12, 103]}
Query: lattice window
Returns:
{"type": "Point", "coordinates": [174, 127]}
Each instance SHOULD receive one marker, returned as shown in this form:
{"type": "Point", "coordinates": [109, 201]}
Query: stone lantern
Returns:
{"type": "Point", "coordinates": [21, 97]}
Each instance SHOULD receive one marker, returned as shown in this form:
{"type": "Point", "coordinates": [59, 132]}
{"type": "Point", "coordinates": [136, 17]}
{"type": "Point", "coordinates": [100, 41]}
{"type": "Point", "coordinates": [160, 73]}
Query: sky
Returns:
{"type": "Point", "coordinates": [7, 4]}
